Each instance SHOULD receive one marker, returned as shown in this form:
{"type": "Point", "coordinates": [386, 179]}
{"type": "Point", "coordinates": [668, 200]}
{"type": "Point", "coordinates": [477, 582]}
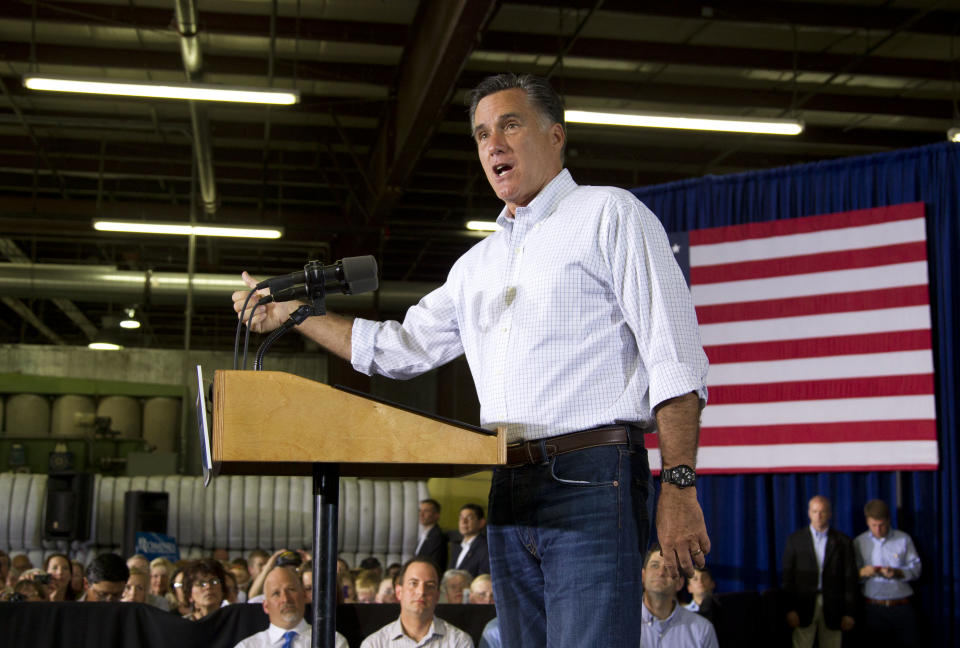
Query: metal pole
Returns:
{"type": "Point", "coordinates": [326, 500]}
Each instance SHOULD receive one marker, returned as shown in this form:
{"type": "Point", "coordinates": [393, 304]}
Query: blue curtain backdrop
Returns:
{"type": "Point", "coordinates": [749, 516]}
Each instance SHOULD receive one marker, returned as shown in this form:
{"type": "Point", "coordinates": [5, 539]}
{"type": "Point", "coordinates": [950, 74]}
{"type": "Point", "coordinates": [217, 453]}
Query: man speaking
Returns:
{"type": "Point", "coordinates": [580, 334]}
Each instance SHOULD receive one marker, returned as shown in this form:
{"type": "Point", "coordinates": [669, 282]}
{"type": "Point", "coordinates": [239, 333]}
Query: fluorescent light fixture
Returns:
{"type": "Point", "coordinates": [185, 230]}
{"type": "Point", "coordinates": [104, 346]}
{"type": "Point", "coordinates": [130, 321]}
{"type": "Point", "coordinates": [482, 226]}
{"type": "Point", "coordinates": [157, 90]}
{"type": "Point", "coordinates": [953, 135]}
{"type": "Point", "coordinates": [688, 122]}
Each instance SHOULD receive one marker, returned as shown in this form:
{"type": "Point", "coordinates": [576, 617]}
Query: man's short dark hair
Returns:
{"type": "Point", "coordinates": [877, 509]}
{"type": "Point", "coordinates": [540, 93]}
{"type": "Point", "coordinates": [654, 549]}
{"type": "Point", "coordinates": [432, 502]}
{"type": "Point", "coordinates": [370, 562]}
{"type": "Point", "coordinates": [107, 568]}
{"type": "Point", "coordinates": [416, 559]}
{"type": "Point", "coordinates": [476, 508]}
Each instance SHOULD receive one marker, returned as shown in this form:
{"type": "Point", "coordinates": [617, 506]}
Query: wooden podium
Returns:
{"type": "Point", "coordinates": [274, 423]}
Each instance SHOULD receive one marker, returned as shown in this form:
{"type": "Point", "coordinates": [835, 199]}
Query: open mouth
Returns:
{"type": "Point", "coordinates": [500, 169]}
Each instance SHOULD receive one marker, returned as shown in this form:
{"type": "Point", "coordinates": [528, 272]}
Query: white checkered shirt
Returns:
{"type": "Point", "coordinates": [572, 316]}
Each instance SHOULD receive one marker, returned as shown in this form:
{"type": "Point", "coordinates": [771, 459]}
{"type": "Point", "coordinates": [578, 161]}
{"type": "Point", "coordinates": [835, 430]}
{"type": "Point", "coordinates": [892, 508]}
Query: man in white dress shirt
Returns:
{"type": "Point", "coordinates": [418, 590]}
{"type": "Point", "coordinates": [888, 561]}
{"type": "Point", "coordinates": [284, 602]}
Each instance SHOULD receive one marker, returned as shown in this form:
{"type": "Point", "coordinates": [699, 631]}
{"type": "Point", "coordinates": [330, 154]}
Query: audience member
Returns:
{"type": "Point", "coordinates": [385, 591]}
{"type": "Point", "coordinates": [177, 597]}
{"type": "Point", "coordinates": [432, 542]}
{"type": "Point", "coordinates": [666, 624]}
{"type": "Point", "coordinates": [160, 571]}
{"type": "Point", "coordinates": [819, 580]}
{"type": "Point", "coordinates": [4, 567]}
{"type": "Point", "coordinates": [392, 570]}
{"type": "Point", "coordinates": [203, 582]}
{"type": "Point", "coordinates": [418, 594]}
{"type": "Point", "coordinates": [139, 561]}
{"type": "Point", "coordinates": [135, 590]}
{"type": "Point", "coordinates": [255, 562]}
{"type": "Point", "coordinates": [490, 638]}
{"type": "Point", "coordinates": [61, 572]}
{"type": "Point", "coordinates": [76, 581]}
{"type": "Point", "coordinates": [366, 585]}
{"type": "Point", "coordinates": [703, 602]}
{"type": "Point", "coordinates": [455, 584]}
{"type": "Point", "coordinates": [31, 591]}
{"type": "Point", "coordinates": [21, 563]}
{"type": "Point", "coordinates": [343, 567]}
{"type": "Point", "coordinates": [348, 588]}
{"type": "Point", "coordinates": [306, 579]}
{"type": "Point", "coordinates": [281, 558]}
{"type": "Point", "coordinates": [481, 590]}
{"type": "Point", "coordinates": [284, 602]}
{"type": "Point", "coordinates": [221, 555]}
{"type": "Point", "coordinates": [472, 555]}
{"type": "Point", "coordinates": [230, 591]}
{"type": "Point", "coordinates": [887, 562]}
{"type": "Point", "coordinates": [106, 579]}
{"type": "Point", "coordinates": [238, 567]}
{"type": "Point", "coordinates": [371, 564]}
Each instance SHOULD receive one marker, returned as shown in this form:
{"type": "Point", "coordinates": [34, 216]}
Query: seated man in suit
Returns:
{"type": "Point", "coordinates": [433, 542]}
{"type": "Point", "coordinates": [284, 602]}
{"type": "Point", "coordinates": [666, 623]}
{"type": "Point", "coordinates": [472, 555]}
{"type": "Point", "coordinates": [418, 590]}
{"type": "Point", "coordinates": [704, 603]}
{"type": "Point", "coordinates": [819, 580]}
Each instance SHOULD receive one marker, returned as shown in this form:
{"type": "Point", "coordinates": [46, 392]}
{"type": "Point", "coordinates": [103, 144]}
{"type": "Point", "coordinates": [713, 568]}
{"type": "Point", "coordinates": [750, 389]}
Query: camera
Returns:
{"type": "Point", "coordinates": [43, 579]}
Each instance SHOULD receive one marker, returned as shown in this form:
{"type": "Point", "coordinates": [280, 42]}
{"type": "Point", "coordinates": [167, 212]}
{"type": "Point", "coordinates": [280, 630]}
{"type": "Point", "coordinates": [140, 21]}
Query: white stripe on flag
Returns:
{"type": "Point", "coordinates": [830, 410]}
{"type": "Point", "coordinates": [848, 238]}
{"type": "Point", "coordinates": [894, 363]}
{"type": "Point", "coordinates": [815, 283]}
{"type": "Point", "coordinates": [825, 455]}
{"type": "Point", "coordinates": [910, 318]}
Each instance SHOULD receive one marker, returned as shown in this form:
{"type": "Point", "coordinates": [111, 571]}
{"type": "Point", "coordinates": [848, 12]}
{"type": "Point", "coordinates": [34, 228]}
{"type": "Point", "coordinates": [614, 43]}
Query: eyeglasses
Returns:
{"type": "Point", "coordinates": [106, 596]}
{"type": "Point", "coordinates": [177, 585]}
{"type": "Point", "coordinates": [213, 582]}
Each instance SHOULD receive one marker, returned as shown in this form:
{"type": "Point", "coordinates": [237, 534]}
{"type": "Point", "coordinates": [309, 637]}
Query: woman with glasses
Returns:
{"type": "Point", "coordinates": [203, 584]}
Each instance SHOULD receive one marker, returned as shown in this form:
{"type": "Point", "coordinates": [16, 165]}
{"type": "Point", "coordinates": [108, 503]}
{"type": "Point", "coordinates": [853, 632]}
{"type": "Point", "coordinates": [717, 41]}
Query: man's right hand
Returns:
{"type": "Point", "coordinates": [269, 316]}
{"type": "Point", "coordinates": [793, 619]}
{"type": "Point", "coordinates": [867, 571]}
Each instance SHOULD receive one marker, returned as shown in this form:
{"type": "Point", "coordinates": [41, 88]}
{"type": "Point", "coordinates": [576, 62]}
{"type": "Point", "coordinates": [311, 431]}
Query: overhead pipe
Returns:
{"type": "Point", "coordinates": [107, 284]}
{"type": "Point", "coordinates": [186, 13]}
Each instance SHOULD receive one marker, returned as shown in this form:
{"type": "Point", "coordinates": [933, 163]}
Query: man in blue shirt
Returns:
{"type": "Point", "coordinates": [666, 623]}
{"type": "Point", "coordinates": [887, 561]}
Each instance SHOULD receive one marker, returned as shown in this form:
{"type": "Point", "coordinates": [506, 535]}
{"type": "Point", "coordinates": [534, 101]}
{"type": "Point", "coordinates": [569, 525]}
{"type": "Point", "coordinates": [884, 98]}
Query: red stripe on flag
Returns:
{"type": "Point", "coordinates": [820, 347]}
{"type": "Point", "coordinates": [807, 263]}
{"type": "Point", "coordinates": [802, 225]}
{"type": "Point", "coordinates": [850, 432]}
{"type": "Point", "coordinates": [753, 470]}
{"type": "Point", "coordinates": [822, 389]}
{"type": "Point", "coordinates": [815, 304]}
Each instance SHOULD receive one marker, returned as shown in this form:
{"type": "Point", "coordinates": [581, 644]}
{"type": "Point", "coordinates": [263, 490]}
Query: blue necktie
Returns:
{"type": "Point", "coordinates": [288, 637]}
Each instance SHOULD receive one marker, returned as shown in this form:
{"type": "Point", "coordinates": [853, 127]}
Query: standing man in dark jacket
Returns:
{"type": "Point", "coordinates": [432, 542]}
{"type": "Point", "coordinates": [820, 580]}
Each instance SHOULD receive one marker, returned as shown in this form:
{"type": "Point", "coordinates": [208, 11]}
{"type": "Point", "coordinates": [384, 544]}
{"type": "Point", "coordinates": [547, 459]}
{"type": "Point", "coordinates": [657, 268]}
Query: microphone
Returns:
{"type": "Point", "coordinates": [351, 276]}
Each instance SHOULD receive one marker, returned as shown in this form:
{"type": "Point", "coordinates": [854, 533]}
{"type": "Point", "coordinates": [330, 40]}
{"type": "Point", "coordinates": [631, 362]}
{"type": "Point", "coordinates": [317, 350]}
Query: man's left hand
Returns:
{"type": "Point", "coordinates": [681, 529]}
{"type": "Point", "coordinates": [846, 623]}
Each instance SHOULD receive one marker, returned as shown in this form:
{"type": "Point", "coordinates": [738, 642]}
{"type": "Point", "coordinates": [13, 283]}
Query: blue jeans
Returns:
{"type": "Point", "coordinates": [566, 544]}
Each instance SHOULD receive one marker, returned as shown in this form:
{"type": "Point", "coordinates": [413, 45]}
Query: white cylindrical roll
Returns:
{"type": "Point", "coordinates": [209, 508]}
{"type": "Point", "coordinates": [124, 413]}
{"type": "Point", "coordinates": [200, 513]}
{"type": "Point", "coordinates": [161, 421]}
{"type": "Point", "coordinates": [381, 516]}
{"type": "Point", "coordinates": [36, 503]}
{"type": "Point", "coordinates": [220, 512]}
{"type": "Point", "coordinates": [351, 515]}
{"type": "Point", "coordinates": [295, 513]}
{"type": "Point", "coordinates": [411, 526]}
{"type": "Point", "coordinates": [395, 537]}
{"type": "Point", "coordinates": [265, 521]}
{"type": "Point", "coordinates": [307, 520]}
{"type": "Point", "coordinates": [251, 511]}
{"type": "Point", "coordinates": [235, 513]}
{"type": "Point", "coordinates": [171, 485]}
{"type": "Point", "coordinates": [18, 507]}
{"type": "Point", "coordinates": [365, 533]}
{"type": "Point", "coordinates": [185, 528]}
{"type": "Point", "coordinates": [6, 509]}
{"type": "Point", "coordinates": [67, 412]}
{"type": "Point", "coordinates": [28, 415]}
{"type": "Point", "coordinates": [281, 513]}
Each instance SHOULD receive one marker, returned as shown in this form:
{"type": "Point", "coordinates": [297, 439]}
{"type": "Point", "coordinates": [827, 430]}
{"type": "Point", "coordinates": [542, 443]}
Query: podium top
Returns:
{"type": "Point", "coordinates": [274, 423]}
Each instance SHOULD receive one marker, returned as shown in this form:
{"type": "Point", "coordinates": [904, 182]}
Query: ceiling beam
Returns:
{"type": "Point", "coordinates": [445, 33]}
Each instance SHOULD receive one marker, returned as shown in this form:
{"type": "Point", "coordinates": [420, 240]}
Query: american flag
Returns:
{"type": "Point", "coordinates": [818, 335]}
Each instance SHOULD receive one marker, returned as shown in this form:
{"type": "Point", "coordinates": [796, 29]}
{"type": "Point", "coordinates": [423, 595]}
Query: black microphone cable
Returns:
{"type": "Point", "coordinates": [236, 340]}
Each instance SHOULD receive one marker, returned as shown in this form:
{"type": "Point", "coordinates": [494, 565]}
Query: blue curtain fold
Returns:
{"type": "Point", "coordinates": [750, 516]}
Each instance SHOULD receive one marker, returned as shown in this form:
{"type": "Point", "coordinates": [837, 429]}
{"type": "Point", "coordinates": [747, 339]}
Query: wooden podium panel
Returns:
{"type": "Point", "coordinates": [271, 422]}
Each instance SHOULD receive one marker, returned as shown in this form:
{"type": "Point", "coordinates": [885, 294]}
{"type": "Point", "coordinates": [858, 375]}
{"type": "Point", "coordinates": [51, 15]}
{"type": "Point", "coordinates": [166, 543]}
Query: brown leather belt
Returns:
{"type": "Point", "coordinates": [888, 602]}
{"type": "Point", "coordinates": [534, 452]}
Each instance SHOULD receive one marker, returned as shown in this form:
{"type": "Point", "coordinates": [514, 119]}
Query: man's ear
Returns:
{"type": "Point", "coordinates": [558, 136]}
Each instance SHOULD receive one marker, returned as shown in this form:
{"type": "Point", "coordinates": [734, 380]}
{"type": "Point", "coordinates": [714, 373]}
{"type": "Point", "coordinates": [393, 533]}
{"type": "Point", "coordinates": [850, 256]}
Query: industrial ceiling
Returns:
{"type": "Point", "coordinates": [376, 157]}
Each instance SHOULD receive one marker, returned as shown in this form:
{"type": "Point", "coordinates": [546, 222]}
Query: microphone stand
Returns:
{"type": "Point", "coordinates": [326, 497]}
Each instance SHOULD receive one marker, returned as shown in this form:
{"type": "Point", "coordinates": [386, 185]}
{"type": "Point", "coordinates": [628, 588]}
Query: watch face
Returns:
{"type": "Point", "coordinates": [681, 476]}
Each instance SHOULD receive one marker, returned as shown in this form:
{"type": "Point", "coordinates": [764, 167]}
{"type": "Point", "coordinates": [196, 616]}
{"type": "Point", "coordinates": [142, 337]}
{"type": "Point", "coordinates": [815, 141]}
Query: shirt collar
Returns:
{"type": "Point", "coordinates": [396, 629]}
{"type": "Point", "coordinates": [819, 534]}
{"type": "Point", "coordinates": [275, 633]}
{"type": "Point", "coordinates": [543, 204]}
{"type": "Point", "coordinates": [648, 617]}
